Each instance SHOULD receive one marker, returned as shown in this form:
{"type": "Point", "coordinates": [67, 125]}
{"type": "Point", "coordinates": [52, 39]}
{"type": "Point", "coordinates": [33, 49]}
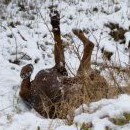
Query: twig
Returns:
{"type": "Point", "coordinates": [119, 68]}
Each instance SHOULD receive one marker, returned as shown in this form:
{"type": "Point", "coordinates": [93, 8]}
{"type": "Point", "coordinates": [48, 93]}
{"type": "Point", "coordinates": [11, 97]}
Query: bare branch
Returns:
{"type": "Point", "coordinates": [118, 68]}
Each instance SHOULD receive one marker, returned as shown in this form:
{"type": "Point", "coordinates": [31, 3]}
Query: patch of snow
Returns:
{"type": "Point", "coordinates": [31, 41]}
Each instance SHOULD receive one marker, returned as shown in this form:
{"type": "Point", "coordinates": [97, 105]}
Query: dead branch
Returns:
{"type": "Point", "coordinates": [118, 68]}
{"type": "Point", "coordinates": [22, 36]}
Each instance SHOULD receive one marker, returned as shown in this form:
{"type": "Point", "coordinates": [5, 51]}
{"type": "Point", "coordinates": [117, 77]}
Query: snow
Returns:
{"type": "Point", "coordinates": [33, 42]}
{"type": "Point", "coordinates": [127, 37]}
{"type": "Point", "coordinates": [99, 113]}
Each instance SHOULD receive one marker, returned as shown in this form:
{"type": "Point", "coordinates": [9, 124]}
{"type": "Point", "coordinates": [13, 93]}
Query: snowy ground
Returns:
{"type": "Point", "coordinates": [26, 36]}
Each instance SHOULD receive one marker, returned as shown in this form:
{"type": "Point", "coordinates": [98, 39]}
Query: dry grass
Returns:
{"type": "Point", "coordinates": [85, 89]}
{"type": "Point", "coordinates": [79, 90]}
